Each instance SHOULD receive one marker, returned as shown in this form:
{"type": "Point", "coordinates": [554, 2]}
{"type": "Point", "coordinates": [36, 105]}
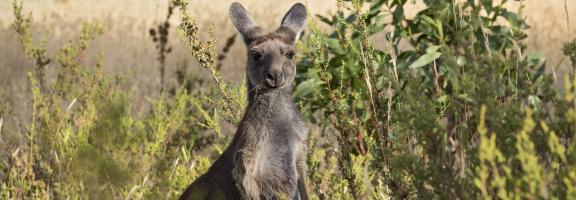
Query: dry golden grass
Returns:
{"type": "Point", "coordinates": [127, 48]}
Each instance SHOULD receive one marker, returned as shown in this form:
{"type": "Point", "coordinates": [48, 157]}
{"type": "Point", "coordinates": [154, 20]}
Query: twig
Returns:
{"type": "Point", "coordinates": [567, 19]}
{"type": "Point", "coordinates": [393, 57]}
{"type": "Point", "coordinates": [111, 185]}
{"type": "Point", "coordinates": [1, 126]}
{"type": "Point", "coordinates": [436, 79]}
{"type": "Point", "coordinates": [204, 52]}
{"type": "Point", "coordinates": [359, 136]}
{"type": "Point", "coordinates": [372, 104]}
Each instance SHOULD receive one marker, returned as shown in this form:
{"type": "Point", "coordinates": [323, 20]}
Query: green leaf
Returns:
{"type": "Point", "coordinates": [398, 15]}
{"type": "Point", "coordinates": [334, 44]}
{"type": "Point", "coordinates": [306, 87]}
{"type": "Point", "coordinates": [465, 97]}
{"type": "Point", "coordinates": [535, 59]}
{"type": "Point", "coordinates": [461, 61]}
{"type": "Point", "coordinates": [433, 49]}
{"type": "Point", "coordinates": [325, 19]}
{"type": "Point", "coordinates": [442, 99]}
{"type": "Point", "coordinates": [376, 5]}
{"type": "Point", "coordinates": [431, 55]}
{"type": "Point", "coordinates": [535, 102]}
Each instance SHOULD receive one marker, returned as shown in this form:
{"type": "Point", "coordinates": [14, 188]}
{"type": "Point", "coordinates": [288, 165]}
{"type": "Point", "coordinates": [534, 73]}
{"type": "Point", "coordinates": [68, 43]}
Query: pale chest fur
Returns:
{"type": "Point", "coordinates": [278, 155]}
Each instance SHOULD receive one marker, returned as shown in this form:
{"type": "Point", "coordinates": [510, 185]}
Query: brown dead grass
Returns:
{"type": "Point", "coordinates": [128, 50]}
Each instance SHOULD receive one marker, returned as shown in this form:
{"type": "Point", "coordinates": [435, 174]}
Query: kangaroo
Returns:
{"type": "Point", "coordinates": [267, 156]}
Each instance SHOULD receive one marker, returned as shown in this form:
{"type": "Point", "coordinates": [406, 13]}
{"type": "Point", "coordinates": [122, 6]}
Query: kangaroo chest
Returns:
{"type": "Point", "coordinates": [277, 157]}
{"type": "Point", "coordinates": [278, 150]}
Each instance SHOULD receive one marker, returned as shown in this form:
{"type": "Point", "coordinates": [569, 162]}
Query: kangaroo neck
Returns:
{"type": "Point", "coordinates": [269, 102]}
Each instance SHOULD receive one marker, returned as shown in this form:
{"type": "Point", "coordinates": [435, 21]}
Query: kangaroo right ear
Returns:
{"type": "Point", "coordinates": [241, 20]}
{"type": "Point", "coordinates": [295, 21]}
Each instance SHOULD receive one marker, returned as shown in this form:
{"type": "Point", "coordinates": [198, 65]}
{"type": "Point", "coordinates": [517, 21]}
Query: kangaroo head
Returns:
{"type": "Point", "coordinates": [270, 54]}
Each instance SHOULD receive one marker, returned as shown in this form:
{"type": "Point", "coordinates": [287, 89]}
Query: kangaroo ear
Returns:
{"type": "Point", "coordinates": [295, 20]}
{"type": "Point", "coordinates": [241, 20]}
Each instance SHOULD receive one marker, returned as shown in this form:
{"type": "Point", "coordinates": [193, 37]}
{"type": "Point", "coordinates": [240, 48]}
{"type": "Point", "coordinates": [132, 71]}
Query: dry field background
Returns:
{"type": "Point", "coordinates": [127, 48]}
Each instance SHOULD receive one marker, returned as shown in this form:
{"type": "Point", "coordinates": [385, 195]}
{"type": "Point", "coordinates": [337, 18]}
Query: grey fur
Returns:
{"type": "Point", "coordinates": [293, 20]}
{"type": "Point", "coordinates": [240, 18]}
{"type": "Point", "coordinates": [267, 157]}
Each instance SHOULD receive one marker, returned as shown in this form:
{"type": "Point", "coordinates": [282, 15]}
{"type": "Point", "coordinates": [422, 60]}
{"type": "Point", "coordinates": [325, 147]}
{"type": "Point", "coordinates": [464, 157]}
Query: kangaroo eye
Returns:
{"type": "Point", "coordinates": [256, 55]}
{"type": "Point", "coordinates": [290, 55]}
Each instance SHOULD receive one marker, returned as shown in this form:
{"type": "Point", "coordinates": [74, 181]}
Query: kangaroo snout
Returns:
{"type": "Point", "coordinates": [274, 78]}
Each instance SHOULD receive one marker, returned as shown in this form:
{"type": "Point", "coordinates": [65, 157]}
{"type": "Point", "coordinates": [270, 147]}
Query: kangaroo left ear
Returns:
{"type": "Point", "coordinates": [294, 21]}
{"type": "Point", "coordinates": [242, 20]}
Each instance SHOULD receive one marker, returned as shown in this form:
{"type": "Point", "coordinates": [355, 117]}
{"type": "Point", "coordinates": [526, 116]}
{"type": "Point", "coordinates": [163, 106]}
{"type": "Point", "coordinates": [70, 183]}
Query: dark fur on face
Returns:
{"type": "Point", "coordinates": [270, 54]}
{"type": "Point", "coordinates": [258, 36]}
{"type": "Point", "coordinates": [270, 64]}
{"type": "Point", "coordinates": [267, 157]}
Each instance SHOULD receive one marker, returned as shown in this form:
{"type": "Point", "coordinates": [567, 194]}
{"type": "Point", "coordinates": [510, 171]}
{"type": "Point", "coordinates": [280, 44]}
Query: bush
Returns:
{"type": "Point", "coordinates": [84, 140]}
{"type": "Point", "coordinates": [405, 119]}
{"type": "Point", "coordinates": [461, 112]}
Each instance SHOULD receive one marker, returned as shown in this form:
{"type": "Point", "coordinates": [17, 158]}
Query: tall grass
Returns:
{"type": "Point", "coordinates": [85, 141]}
{"type": "Point", "coordinates": [463, 113]}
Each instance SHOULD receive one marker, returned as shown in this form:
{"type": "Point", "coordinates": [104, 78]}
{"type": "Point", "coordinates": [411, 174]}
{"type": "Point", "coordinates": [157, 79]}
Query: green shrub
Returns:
{"type": "Point", "coordinates": [410, 114]}
{"type": "Point", "coordinates": [460, 112]}
{"type": "Point", "coordinates": [84, 140]}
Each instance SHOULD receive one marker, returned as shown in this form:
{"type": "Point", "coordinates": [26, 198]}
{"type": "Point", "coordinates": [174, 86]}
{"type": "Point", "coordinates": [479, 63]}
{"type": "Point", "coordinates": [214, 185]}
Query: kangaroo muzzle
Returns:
{"type": "Point", "coordinates": [274, 79]}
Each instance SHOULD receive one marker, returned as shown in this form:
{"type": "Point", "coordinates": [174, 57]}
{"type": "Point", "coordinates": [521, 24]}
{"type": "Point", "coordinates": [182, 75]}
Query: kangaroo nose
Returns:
{"type": "Point", "coordinates": [275, 79]}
